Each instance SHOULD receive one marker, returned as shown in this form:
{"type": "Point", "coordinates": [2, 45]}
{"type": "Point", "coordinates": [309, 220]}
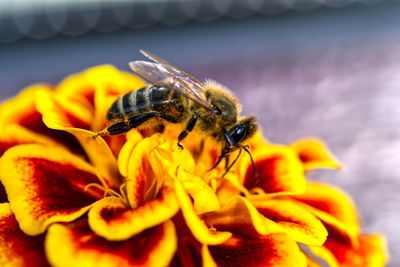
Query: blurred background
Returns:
{"type": "Point", "coordinates": [325, 68]}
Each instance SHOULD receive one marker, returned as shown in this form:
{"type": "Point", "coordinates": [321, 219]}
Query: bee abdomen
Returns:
{"type": "Point", "coordinates": [151, 98]}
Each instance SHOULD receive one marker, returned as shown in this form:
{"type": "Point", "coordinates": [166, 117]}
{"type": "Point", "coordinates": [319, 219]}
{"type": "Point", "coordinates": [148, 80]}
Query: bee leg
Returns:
{"type": "Point", "coordinates": [101, 133]}
{"type": "Point", "coordinates": [189, 127]}
{"type": "Point", "coordinates": [133, 122]}
{"type": "Point", "coordinates": [142, 118]}
{"type": "Point", "coordinates": [119, 128]}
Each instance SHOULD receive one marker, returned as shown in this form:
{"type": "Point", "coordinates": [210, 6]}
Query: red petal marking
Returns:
{"type": "Point", "coordinates": [17, 248]}
{"type": "Point", "coordinates": [338, 249]}
{"type": "Point", "coordinates": [266, 171]}
{"type": "Point", "coordinates": [46, 185]}
{"type": "Point", "coordinates": [334, 208]}
{"type": "Point", "coordinates": [275, 175]}
{"type": "Point", "coordinates": [58, 187]}
{"type": "Point", "coordinates": [81, 247]}
{"type": "Point", "coordinates": [89, 95]}
{"type": "Point", "coordinates": [70, 119]}
{"type": "Point", "coordinates": [31, 119]}
{"type": "Point", "coordinates": [3, 194]}
{"type": "Point", "coordinates": [134, 250]}
{"type": "Point", "coordinates": [111, 213]}
{"type": "Point", "coordinates": [371, 251]}
{"type": "Point", "coordinates": [62, 111]}
{"type": "Point", "coordinates": [270, 250]}
{"type": "Point", "coordinates": [21, 111]}
{"type": "Point", "coordinates": [33, 122]}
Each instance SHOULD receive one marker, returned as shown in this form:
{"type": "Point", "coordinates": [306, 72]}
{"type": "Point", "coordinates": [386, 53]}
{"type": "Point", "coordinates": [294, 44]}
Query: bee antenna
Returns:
{"type": "Point", "coordinates": [233, 162]}
{"type": "Point", "coordinates": [252, 163]}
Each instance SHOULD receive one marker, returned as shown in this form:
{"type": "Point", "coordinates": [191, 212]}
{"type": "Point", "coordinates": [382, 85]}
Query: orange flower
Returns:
{"type": "Point", "coordinates": [137, 200]}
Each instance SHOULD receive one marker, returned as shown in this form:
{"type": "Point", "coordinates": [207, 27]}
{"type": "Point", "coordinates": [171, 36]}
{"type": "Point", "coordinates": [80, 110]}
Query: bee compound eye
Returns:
{"type": "Point", "coordinates": [239, 133]}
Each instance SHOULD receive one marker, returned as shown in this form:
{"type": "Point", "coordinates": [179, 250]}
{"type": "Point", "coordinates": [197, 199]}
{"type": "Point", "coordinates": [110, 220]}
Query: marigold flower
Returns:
{"type": "Point", "coordinates": [137, 200]}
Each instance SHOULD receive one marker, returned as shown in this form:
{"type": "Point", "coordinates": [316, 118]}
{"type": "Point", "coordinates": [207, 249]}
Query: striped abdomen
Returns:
{"type": "Point", "coordinates": [148, 99]}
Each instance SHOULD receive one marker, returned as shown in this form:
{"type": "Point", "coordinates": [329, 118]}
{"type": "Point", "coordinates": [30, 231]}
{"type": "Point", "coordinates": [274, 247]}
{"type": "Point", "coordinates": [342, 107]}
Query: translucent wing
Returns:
{"type": "Point", "coordinates": [164, 73]}
{"type": "Point", "coordinates": [195, 84]}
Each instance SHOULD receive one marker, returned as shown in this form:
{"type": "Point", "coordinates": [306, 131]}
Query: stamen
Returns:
{"type": "Point", "coordinates": [112, 192]}
{"type": "Point", "coordinates": [94, 185]}
{"type": "Point", "coordinates": [123, 193]}
{"type": "Point", "coordinates": [107, 190]}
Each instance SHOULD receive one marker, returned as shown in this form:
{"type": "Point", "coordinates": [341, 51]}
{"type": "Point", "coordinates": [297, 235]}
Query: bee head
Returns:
{"type": "Point", "coordinates": [241, 131]}
{"type": "Point", "coordinates": [234, 137]}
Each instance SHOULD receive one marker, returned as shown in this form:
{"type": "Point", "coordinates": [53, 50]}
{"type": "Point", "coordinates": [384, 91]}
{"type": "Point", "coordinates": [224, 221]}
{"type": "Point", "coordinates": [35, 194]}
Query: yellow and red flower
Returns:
{"type": "Point", "coordinates": [137, 200]}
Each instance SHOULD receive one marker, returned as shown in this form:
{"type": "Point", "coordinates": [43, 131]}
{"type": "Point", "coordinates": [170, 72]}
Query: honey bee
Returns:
{"type": "Point", "coordinates": [178, 97]}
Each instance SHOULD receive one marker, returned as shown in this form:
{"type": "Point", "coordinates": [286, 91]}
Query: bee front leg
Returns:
{"type": "Point", "coordinates": [133, 122]}
{"type": "Point", "coordinates": [189, 127]}
{"type": "Point", "coordinates": [117, 128]}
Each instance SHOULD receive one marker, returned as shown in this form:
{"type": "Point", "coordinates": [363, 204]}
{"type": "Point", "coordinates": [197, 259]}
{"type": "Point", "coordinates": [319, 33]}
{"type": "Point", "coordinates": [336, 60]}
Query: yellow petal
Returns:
{"type": "Point", "coordinates": [111, 219]}
{"type": "Point", "coordinates": [126, 151]}
{"type": "Point", "coordinates": [241, 217]}
{"type": "Point", "coordinates": [97, 149]}
{"type": "Point", "coordinates": [334, 208]}
{"type": "Point", "coordinates": [142, 184]}
{"type": "Point", "coordinates": [46, 185]}
{"type": "Point", "coordinates": [315, 154]}
{"type": "Point", "coordinates": [208, 261]}
{"type": "Point", "coordinates": [62, 112]}
{"type": "Point", "coordinates": [204, 198]}
{"type": "Point", "coordinates": [294, 219]}
{"type": "Point", "coordinates": [227, 190]}
{"type": "Point", "coordinates": [21, 109]}
{"type": "Point", "coordinates": [197, 143]}
{"type": "Point", "coordinates": [198, 228]}
{"type": "Point", "coordinates": [167, 156]}
{"type": "Point", "coordinates": [76, 245]}
{"type": "Point", "coordinates": [21, 122]}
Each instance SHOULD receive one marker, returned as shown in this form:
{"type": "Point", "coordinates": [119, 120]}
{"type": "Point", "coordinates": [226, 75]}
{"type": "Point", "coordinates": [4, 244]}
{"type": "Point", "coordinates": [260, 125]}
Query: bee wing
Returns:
{"type": "Point", "coordinates": [159, 73]}
{"type": "Point", "coordinates": [195, 84]}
